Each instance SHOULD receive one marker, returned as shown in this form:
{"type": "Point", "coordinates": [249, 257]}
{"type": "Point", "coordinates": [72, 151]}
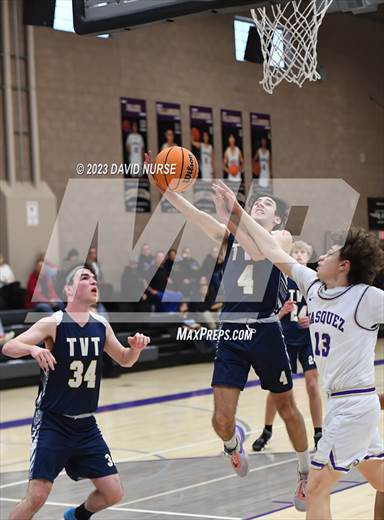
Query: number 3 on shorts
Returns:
{"type": "Point", "coordinates": [109, 460]}
{"type": "Point", "coordinates": [283, 378]}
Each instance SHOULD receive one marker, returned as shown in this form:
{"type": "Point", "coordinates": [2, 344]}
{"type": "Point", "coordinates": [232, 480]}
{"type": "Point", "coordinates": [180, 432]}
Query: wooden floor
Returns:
{"type": "Point", "coordinates": [168, 456]}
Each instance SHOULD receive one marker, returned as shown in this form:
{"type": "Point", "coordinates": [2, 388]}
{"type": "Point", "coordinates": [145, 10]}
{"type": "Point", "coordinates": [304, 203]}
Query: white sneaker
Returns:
{"type": "Point", "coordinates": [237, 456]}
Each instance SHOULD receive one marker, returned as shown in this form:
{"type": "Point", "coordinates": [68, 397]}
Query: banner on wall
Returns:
{"type": "Point", "coordinates": [202, 146]}
{"type": "Point", "coordinates": [376, 213]}
{"type": "Point", "coordinates": [261, 144]}
{"type": "Point", "coordinates": [168, 134]}
{"type": "Point", "coordinates": [233, 159]}
{"type": "Point", "coordinates": [134, 135]}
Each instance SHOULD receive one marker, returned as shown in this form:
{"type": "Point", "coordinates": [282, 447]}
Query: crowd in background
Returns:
{"type": "Point", "coordinates": [157, 281]}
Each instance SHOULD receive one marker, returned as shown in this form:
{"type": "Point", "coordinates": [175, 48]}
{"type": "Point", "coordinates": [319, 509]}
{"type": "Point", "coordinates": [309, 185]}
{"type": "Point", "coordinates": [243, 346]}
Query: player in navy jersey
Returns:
{"type": "Point", "coordinates": [294, 319]}
{"type": "Point", "coordinates": [345, 311]}
{"type": "Point", "coordinates": [64, 430]}
{"type": "Point", "coordinates": [252, 289]}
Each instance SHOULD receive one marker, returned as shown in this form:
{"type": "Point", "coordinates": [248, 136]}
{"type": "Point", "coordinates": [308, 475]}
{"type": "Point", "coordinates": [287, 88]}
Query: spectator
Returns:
{"type": "Point", "coordinates": [5, 336]}
{"type": "Point", "coordinates": [189, 271]}
{"type": "Point", "coordinates": [131, 286]}
{"type": "Point", "coordinates": [145, 261]}
{"type": "Point", "coordinates": [40, 287]}
{"type": "Point", "coordinates": [70, 261]}
{"type": "Point", "coordinates": [158, 283]}
{"type": "Point", "coordinates": [170, 260]}
{"type": "Point", "coordinates": [91, 260]}
{"type": "Point", "coordinates": [11, 294]}
{"type": "Point", "coordinates": [209, 263]}
{"type": "Point", "coordinates": [6, 273]}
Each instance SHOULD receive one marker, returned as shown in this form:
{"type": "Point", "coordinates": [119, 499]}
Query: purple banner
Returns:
{"type": "Point", "coordinates": [232, 141]}
{"type": "Point", "coordinates": [261, 143]}
{"type": "Point", "coordinates": [168, 134]}
{"type": "Point", "coordinates": [134, 135]}
{"type": "Point", "coordinates": [203, 148]}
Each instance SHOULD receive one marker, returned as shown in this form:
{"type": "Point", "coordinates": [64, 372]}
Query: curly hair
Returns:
{"type": "Point", "coordinates": [365, 255]}
{"type": "Point", "coordinates": [282, 208]}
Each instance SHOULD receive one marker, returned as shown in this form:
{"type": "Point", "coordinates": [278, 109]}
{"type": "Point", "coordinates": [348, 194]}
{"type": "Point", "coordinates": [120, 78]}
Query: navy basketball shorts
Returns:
{"type": "Point", "coordinates": [265, 352]}
{"type": "Point", "coordinates": [74, 444]}
{"type": "Point", "coordinates": [304, 354]}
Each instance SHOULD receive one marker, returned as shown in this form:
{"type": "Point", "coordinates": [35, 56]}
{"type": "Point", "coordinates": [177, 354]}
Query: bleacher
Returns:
{"type": "Point", "coordinates": [163, 351]}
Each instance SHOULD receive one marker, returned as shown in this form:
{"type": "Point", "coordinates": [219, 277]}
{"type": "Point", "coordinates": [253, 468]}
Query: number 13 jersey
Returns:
{"type": "Point", "coordinates": [344, 323]}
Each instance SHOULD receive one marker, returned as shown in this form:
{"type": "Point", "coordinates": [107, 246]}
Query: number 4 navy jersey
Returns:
{"type": "Point", "coordinates": [294, 334]}
{"type": "Point", "coordinates": [73, 387]}
{"type": "Point", "coordinates": [252, 289]}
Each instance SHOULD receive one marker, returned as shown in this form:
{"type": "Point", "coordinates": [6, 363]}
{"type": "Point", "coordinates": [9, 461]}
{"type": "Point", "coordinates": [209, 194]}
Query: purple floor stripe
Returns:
{"type": "Point", "coordinates": [287, 507]}
{"type": "Point", "coordinates": [144, 402]}
{"type": "Point", "coordinates": [282, 502]}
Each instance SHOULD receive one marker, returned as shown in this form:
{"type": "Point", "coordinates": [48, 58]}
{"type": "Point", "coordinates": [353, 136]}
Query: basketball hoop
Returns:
{"type": "Point", "coordinates": [288, 35]}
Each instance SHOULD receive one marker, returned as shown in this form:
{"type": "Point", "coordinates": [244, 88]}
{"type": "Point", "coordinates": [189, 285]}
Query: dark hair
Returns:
{"type": "Point", "coordinates": [73, 270]}
{"type": "Point", "coordinates": [363, 251]}
{"type": "Point", "coordinates": [281, 207]}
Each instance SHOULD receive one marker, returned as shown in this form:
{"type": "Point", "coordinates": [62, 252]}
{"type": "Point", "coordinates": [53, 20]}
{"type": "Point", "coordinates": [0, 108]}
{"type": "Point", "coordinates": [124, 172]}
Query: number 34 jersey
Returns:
{"type": "Point", "coordinates": [344, 323]}
{"type": "Point", "coordinates": [73, 387]}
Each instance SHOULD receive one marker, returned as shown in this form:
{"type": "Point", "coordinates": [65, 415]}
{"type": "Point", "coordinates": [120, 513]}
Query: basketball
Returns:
{"type": "Point", "coordinates": [195, 133]}
{"type": "Point", "coordinates": [233, 169]}
{"type": "Point", "coordinates": [184, 165]}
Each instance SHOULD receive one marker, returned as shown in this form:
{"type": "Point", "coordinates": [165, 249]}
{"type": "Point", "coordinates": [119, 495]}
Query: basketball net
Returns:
{"type": "Point", "coordinates": [288, 35]}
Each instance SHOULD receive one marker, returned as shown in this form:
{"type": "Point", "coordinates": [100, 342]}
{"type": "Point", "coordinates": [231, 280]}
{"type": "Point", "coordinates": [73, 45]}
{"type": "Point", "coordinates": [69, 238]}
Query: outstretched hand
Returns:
{"type": "Point", "coordinates": [228, 197]}
{"type": "Point", "coordinates": [221, 209]}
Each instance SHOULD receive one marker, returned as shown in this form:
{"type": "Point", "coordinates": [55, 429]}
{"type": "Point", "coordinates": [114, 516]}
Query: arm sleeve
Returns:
{"type": "Point", "coordinates": [371, 309]}
{"type": "Point", "coordinates": [304, 277]}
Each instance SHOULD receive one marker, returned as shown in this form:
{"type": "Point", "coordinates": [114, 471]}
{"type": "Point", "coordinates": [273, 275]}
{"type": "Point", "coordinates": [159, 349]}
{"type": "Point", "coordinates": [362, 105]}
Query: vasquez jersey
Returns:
{"type": "Point", "coordinates": [343, 325]}
{"type": "Point", "coordinates": [294, 334]}
{"type": "Point", "coordinates": [73, 387]}
{"type": "Point", "coordinates": [251, 289]}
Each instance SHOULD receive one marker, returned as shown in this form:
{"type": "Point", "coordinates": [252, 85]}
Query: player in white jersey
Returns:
{"type": "Point", "coordinates": [344, 311]}
{"type": "Point", "coordinates": [233, 159]}
{"type": "Point", "coordinates": [263, 156]}
{"type": "Point", "coordinates": [169, 139]}
{"type": "Point", "coordinates": [135, 146]}
{"type": "Point", "coordinates": [207, 163]}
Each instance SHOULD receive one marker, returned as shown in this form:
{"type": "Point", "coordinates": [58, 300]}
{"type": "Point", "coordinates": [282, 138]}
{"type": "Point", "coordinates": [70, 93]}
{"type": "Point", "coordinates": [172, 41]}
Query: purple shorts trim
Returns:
{"type": "Point", "coordinates": [353, 392]}
{"type": "Point", "coordinates": [337, 468]}
{"type": "Point", "coordinates": [379, 456]}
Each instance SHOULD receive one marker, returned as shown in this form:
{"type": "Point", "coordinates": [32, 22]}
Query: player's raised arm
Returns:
{"type": "Point", "coordinates": [206, 222]}
{"type": "Point", "coordinates": [26, 344]}
{"type": "Point", "coordinates": [272, 249]}
{"type": "Point", "coordinates": [126, 357]}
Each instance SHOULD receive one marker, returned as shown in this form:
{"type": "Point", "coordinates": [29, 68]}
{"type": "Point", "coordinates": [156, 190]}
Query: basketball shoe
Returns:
{"type": "Point", "coordinates": [299, 498]}
{"type": "Point", "coordinates": [237, 456]}
{"type": "Point", "coordinates": [262, 441]}
{"type": "Point", "coordinates": [70, 514]}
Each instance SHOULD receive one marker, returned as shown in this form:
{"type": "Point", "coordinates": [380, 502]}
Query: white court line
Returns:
{"type": "Point", "coordinates": [19, 482]}
{"type": "Point", "coordinates": [148, 511]}
{"type": "Point", "coordinates": [206, 482]}
{"type": "Point", "coordinates": [159, 452]}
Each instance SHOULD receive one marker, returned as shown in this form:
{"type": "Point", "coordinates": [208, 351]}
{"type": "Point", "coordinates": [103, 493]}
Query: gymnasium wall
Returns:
{"type": "Point", "coordinates": [326, 129]}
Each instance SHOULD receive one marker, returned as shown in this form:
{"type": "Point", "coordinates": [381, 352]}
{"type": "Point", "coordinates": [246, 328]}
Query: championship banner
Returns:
{"type": "Point", "coordinates": [202, 146]}
{"type": "Point", "coordinates": [134, 134]}
{"type": "Point", "coordinates": [168, 134]}
{"type": "Point", "coordinates": [232, 142]}
{"type": "Point", "coordinates": [261, 144]}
